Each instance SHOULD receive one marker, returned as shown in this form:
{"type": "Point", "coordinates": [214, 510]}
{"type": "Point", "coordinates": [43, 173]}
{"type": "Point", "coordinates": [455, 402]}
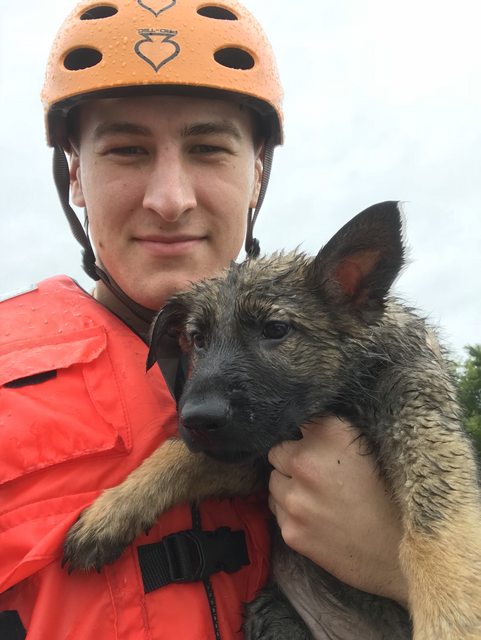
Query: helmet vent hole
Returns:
{"type": "Point", "coordinates": [97, 13]}
{"type": "Point", "coordinates": [217, 13]}
{"type": "Point", "coordinates": [82, 58]}
{"type": "Point", "coordinates": [234, 58]}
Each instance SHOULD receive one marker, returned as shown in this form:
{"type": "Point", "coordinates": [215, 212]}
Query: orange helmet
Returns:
{"type": "Point", "coordinates": [112, 48]}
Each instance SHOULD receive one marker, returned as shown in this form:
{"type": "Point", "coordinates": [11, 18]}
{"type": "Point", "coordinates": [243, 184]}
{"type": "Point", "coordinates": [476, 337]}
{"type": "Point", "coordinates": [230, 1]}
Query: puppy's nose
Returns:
{"type": "Point", "coordinates": [205, 417]}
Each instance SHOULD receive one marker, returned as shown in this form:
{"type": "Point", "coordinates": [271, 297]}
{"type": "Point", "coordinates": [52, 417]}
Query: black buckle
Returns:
{"type": "Point", "coordinates": [190, 556]}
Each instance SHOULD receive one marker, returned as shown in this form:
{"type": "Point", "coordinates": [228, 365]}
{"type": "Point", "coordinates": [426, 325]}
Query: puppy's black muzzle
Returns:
{"type": "Point", "coordinates": [209, 424]}
{"type": "Point", "coordinates": [205, 419]}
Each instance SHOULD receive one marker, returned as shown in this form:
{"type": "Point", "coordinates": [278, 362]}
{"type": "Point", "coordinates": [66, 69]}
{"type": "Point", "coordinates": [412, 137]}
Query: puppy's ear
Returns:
{"type": "Point", "coordinates": [359, 264]}
{"type": "Point", "coordinates": [166, 329]}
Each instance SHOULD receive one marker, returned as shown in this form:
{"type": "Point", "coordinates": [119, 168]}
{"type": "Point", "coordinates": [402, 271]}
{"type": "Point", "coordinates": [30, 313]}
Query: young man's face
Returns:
{"type": "Point", "coordinates": [167, 182]}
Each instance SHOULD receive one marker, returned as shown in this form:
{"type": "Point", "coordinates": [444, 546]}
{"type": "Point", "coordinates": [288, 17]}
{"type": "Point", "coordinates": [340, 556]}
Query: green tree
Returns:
{"type": "Point", "coordinates": [469, 386]}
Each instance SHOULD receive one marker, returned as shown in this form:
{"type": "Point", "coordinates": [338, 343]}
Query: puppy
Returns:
{"type": "Point", "coordinates": [273, 343]}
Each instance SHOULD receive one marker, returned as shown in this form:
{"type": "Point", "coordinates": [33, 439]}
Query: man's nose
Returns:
{"type": "Point", "coordinates": [169, 190]}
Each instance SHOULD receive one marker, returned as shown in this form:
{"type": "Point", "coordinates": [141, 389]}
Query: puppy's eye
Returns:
{"type": "Point", "coordinates": [275, 330]}
{"type": "Point", "coordinates": [198, 340]}
{"type": "Point", "coordinates": [173, 331]}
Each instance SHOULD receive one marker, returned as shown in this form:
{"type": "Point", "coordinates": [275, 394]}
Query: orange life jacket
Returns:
{"type": "Point", "coordinates": [78, 412]}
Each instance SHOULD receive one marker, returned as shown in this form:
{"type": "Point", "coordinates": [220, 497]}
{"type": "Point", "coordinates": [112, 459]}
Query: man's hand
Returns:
{"type": "Point", "coordinates": [332, 506]}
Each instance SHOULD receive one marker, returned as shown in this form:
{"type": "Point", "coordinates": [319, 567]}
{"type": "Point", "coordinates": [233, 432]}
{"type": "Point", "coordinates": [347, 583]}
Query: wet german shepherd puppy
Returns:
{"type": "Point", "coordinates": [273, 343]}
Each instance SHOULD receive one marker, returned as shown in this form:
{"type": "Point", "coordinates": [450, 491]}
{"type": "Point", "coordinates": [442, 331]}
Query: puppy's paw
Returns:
{"type": "Point", "coordinates": [87, 547]}
{"type": "Point", "coordinates": [102, 532]}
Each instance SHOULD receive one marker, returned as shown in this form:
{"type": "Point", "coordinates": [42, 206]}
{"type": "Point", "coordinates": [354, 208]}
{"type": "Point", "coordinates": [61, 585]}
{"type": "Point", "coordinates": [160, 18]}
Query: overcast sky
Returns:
{"type": "Point", "coordinates": [383, 102]}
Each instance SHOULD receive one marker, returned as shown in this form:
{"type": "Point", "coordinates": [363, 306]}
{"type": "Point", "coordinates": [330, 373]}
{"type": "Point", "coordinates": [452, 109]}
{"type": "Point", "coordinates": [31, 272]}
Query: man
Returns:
{"type": "Point", "coordinates": [169, 112]}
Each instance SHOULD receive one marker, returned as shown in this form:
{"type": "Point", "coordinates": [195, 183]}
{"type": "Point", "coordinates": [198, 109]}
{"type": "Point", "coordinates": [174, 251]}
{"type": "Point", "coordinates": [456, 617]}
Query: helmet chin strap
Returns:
{"type": "Point", "coordinates": [252, 246]}
{"type": "Point", "coordinates": [144, 314]}
{"type": "Point", "coordinates": [61, 176]}
{"type": "Point", "coordinates": [62, 182]}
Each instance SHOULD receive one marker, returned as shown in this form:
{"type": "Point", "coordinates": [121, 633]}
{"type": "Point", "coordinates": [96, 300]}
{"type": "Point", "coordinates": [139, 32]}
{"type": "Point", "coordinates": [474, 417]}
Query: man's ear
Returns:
{"type": "Point", "coordinates": [259, 170]}
{"type": "Point", "coordinates": [76, 192]}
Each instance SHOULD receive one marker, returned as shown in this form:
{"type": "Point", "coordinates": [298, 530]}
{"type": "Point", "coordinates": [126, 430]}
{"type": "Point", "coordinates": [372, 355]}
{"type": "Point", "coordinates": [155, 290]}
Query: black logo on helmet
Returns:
{"type": "Point", "coordinates": [156, 47]}
{"type": "Point", "coordinates": [157, 7]}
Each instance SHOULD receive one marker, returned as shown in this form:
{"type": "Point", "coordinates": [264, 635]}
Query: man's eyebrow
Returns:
{"type": "Point", "coordinates": [109, 128]}
{"type": "Point", "coordinates": [225, 127]}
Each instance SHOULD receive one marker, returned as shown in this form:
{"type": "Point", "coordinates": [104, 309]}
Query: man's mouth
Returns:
{"type": "Point", "coordinates": [169, 246]}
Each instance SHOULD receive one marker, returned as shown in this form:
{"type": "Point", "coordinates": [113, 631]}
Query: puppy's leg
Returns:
{"type": "Point", "coordinates": [171, 475]}
{"type": "Point", "coordinates": [432, 469]}
{"type": "Point", "coordinates": [444, 574]}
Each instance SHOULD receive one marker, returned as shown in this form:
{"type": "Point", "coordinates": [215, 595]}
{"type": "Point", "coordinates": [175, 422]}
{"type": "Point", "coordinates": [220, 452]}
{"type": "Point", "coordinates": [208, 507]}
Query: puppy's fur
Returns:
{"type": "Point", "coordinates": [274, 343]}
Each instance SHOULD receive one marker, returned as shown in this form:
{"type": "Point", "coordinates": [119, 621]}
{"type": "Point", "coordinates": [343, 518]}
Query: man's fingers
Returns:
{"type": "Point", "coordinates": [274, 505]}
{"type": "Point", "coordinates": [279, 485]}
{"type": "Point", "coordinates": [281, 455]}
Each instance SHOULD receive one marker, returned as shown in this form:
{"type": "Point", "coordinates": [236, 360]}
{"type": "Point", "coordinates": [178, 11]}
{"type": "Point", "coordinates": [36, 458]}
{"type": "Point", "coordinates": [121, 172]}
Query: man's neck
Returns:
{"type": "Point", "coordinates": [106, 297]}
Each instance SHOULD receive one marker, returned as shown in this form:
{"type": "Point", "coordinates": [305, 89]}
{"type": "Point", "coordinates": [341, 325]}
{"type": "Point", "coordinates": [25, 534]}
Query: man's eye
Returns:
{"type": "Point", "coordinates": [127, 151]}
{"type": "Point", "coordinates": [208, 148]}
{"type": "Point", "coordinates": [275, 330]}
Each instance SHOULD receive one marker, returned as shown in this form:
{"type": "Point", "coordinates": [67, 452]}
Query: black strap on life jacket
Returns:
{"type": "Point", "coordinates": [191, 556]}
{"type": "Point", "coordinates": [11, 627]}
